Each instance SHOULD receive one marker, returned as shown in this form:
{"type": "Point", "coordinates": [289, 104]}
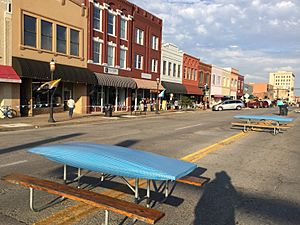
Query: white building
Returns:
{"type": "Point", "coordinates": [283, 85]}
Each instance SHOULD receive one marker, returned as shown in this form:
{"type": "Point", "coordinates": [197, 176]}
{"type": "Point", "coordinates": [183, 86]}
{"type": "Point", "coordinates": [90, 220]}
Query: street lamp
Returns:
{"type": "Point", "coordinates": [52, 68]}
{"type": "Point", "coordinates": [156, 104]}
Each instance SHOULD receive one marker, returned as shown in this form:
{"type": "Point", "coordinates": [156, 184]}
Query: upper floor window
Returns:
{"type": "Point", "coordinates": [9, 9]}
{"type": "Point", "coordinates": [178, 71]}
{"type": "Point", "coordinates": [29, 31]}
{"type": "Point", "coordinates": [122, 58]}
{"type": "Point", "coordinates": [206, 81]}
{"type": "Point", "coordinates": [185, 73]}
{"type": "Point", "coordinates": [169, 69]}
{"type": "Point", "coordinates": [194, 75]}
{"type": "Point", "coordinates": [138, 62]}
{"type": "Point", "coordinates": [61, 41]}
{"type": "Point", "coordinates": [111, 24]}
{"type": "Point", "coordinates": [74, 50]}
{"type": "Point", "coordinates": [154, 43]}
{"type": "Point", "coordinates": [201, 77]}
{"type": "Point", "coordinates": [96, 52]}
{"type": "Point", "coordinates": [164, 67]}
{"type": "Point", "coordinates": [174, 70]}
{"type": "Point", "coordinates": [97, 18]}
{"type": "Point", "coordinates": [154, 65]}
{"type": "Point", "coordinates": [214, 79]}
{"type": "Point", "coordinates": [139, 36]}
{"type": "Point", "coordinates": [46, 35]}
{"type": "Point", "coordinates": [123, 29]}
{"type": "Point", "coordinates": [110, 55]}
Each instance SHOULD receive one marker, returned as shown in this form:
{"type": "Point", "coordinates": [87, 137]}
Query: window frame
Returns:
{"type": "Point", "coordinates": [138, 61]}
{"type": "Point", "coordinates": [154, 63]}
{"type": "Point", "coordinates": [125, 28]}
{"type": "Point", "coordinates": [100, 18]}
{"type": "Point", "coordinates": [51, 37]}
{"type": "Point", "coordinates": [33, 33]}
{"type": "Point", "coordinates": [100, 51]}
{"type": "Point", "coordinates": [57, 38]}
{"type": "Point", "coordinates": [77, 43]}
{"type": "Point", "coordinates": [125, 57]}
{"type": "Point", "coordinates": [139, 36]}
{"type": "Point", "coordinates": [113, 23]}
{"type": "Point", "coordinates": [113, 55]}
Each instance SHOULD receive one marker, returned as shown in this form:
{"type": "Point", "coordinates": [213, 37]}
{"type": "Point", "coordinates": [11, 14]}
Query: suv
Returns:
{"type": "Point", "coordinates": [229, 104]}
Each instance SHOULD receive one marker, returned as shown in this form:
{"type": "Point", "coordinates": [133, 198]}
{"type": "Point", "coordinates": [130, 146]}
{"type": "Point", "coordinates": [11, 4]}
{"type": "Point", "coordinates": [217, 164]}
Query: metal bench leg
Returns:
{"type": "Point", "coordinates": [148, 193]}
{"type": "Point", "coordinates": [31, 200]}
{"type": "Point", "coordinates": [65, 173]}
{"type": "Point", "coordinates": [106, 222]}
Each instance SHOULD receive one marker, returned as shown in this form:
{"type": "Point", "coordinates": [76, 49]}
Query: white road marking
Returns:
{"type": "Point", "coordinates": [181, 128]}
{"type": "Point", "coordinates": [16, 125]}
{"type": "Point", "coordinates": [14, 163]}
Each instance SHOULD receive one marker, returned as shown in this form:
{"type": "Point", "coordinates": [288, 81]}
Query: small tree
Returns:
{"type": "Point", "coordinates": [185, 102]}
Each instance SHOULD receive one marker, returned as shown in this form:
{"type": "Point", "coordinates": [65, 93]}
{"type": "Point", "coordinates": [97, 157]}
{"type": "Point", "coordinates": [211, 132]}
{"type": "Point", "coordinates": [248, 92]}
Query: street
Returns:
{"type": "Point", "coordinates": [254, 178]}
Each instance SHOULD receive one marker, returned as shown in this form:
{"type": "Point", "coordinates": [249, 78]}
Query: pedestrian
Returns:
{"type": "Point", "coordinates": [280, 105]}
{"type": "Point", "coordinates": [71, 105]}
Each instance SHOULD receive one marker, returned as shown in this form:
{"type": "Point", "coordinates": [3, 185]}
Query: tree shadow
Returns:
{"type": "Point", "coordinates": [216, 206]}
{"type": "Point", "coordinates": [38, 143]}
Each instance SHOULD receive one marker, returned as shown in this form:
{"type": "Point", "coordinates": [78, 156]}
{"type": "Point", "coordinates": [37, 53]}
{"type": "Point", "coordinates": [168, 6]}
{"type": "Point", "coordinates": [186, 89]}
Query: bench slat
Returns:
{"type": "Point", "coordinates": [195, 181]}
{"type": "Point", "coordinates": [101, 201]}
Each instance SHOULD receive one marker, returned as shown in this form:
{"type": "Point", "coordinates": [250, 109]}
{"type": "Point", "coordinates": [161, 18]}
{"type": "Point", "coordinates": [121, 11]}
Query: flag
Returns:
{"type": "Point", "coordinates": [49, 85]}
{"type": "Point", "coordinates": [161, 94]}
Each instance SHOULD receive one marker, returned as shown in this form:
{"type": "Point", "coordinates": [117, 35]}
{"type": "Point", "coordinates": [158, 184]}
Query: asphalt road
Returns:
{"type": "Point", "coordinates": [254, 180]}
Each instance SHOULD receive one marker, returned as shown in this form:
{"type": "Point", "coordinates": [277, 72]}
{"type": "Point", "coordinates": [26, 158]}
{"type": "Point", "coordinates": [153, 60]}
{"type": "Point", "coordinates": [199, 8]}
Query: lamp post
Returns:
{"type": "Point", "coordinates": [156, 104]}
{"type": "Point", "coordinates": [52, 68]}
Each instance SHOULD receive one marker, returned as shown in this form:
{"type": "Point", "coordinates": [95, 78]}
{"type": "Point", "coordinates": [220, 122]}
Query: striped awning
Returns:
{"type": "Point", "coordinates": [8, 75]}
{"type": "Point", "coordinates": [174, 88]}
{"type": "Point", "coordinates": [148, 84]}
{"type": "Point", "coordinates": [115, 81]}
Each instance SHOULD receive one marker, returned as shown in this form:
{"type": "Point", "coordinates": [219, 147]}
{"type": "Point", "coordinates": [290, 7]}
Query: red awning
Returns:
{"type": "Point", "coordinates": [193, 90]}
{"type": "Point", "coordinates": [7, 74]}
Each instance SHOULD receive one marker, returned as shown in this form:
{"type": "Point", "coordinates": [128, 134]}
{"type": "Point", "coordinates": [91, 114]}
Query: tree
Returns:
{"type": "Point", "coordinates": [185, 102]}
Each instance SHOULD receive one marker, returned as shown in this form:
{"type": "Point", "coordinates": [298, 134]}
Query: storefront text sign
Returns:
{"type": "Point", "coordinates": [146, 76]}
{"type": "Point", "coordinates": [111, 70]}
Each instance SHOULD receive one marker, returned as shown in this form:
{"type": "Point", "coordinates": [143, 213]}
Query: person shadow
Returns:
{"type": "Point", "coordinates": [216, 206]}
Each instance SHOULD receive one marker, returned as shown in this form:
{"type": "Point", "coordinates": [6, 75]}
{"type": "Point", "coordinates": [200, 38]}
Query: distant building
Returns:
{"type": "Point", "coordinates": [283, 84]}
{"type": "Point", "coordinates": [248, 89]}
{"type": "Point", "coordinates": [263, 90]}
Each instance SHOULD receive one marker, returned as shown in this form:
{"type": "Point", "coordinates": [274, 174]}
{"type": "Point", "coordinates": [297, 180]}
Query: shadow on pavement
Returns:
{"type": "Point", "coordinates": [38, 143]}
{"type": "Point", "coordinates": [127, 143]}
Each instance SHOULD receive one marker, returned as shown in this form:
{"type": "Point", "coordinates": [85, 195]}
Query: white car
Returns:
{"type": "Point", "coordinates": [229, 104]}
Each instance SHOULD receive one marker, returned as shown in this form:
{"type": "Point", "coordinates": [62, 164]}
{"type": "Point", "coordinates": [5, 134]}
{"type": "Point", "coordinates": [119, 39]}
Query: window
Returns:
{"type": "Point", "coordinates": [122, 58]}
{"type": "Point", "coordinates": [46, 35]}
{"type": "Point", "coordinates": [201, 77]}
{"type": "Point", "coordinates": [97, 18]}
{"type": "Point", "coordinates": [111, 24]}
{"type": "Point", "coordinates": [61, 39]}
{"type": "Point", "coordinates": [174, 70]}
{"type": "Point", "coordinates": [153, 65]}
{"type": "Point", "coordinates": [185, 73]}
{"type": "Point", "coordinates": [29, 31]}
{"type": "Point", "coordinates": [195, 77]}
{"type": "Point", "coordinates": [110, 55]}
{"type": "Point", "coordinates": [207, 78]}
{"type": "Point", "coordinates": [96, 52]}
{"type": "Point", "coordinates": [218, 80]}
{"type": "Point", "coordinates": [189, 73]}
{"type": "Point", "coordinates": [139, 36]}
{"type": "Point", "coordinates": [169, 69]}
{"type": "Point", "coordinates": [179, 70]}
{"type": "Point", "coordinates": [123, 29]}
{"type": "Point", "coordinates": [164, 67]}
{"type": "Point", "coordinates": [74, 49]}
{"type": "Point", "coordinates": [138, 62]}
{"type": "Point", "coordinates": [154, 42]}
{"type": "Point", "coordinates": [9, 10]}
{"type": "Point", "coordinates": [214, 79]}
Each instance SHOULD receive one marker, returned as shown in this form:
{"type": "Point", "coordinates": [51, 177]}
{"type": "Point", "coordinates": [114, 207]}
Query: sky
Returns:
{"type": "Point", "coordinates": [254, 36]}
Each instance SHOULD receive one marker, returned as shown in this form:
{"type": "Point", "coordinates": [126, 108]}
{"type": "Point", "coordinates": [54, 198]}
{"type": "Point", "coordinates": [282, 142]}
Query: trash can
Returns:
{"type": "Point", "coordinates": [108, 110]}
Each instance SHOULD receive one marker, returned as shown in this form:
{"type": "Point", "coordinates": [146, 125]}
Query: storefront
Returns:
{"type": "Point", "coordinates": [174, 92]}
{"type": "Point", "coordinates": [113, 90]}
{"type": "Point", "coordinates": [195, 93]}
{"type": "Point", "coordinates": [75, 82]}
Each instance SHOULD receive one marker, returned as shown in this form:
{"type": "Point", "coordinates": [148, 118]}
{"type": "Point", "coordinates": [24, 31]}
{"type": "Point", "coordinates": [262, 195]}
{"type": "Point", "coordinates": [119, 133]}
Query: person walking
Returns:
{"type": "Point", "coordinates": [280, 106]}
{"type": "Point", "coordinates": [71, 106]}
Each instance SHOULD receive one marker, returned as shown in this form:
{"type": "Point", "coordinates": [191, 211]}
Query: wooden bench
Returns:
{"type": "Point", "coordinates": [250, 126]}
{"type": "Point", "coordinates": [128, 209]}
{"type": "Point", "coordinates": [192, 180]}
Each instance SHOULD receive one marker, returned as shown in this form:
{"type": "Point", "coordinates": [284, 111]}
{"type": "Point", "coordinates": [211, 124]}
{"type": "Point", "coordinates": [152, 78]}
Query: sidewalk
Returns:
{"type": "Point", "coordinates": [38, 121]}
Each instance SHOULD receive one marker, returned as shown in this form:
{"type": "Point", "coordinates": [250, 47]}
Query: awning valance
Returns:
{"type": "Point", "coordinates": [193, 90]}
{"type": "Point", "coordinates": [8, 75]}
{"type": "Point", "coordinates": [147, 84]}
{"type": "Point", "coordinates": [115, 81]}
{"type": "Point", "coordinates": [174, 88]}
{"type": "Point", "coordinates": [41, 70]}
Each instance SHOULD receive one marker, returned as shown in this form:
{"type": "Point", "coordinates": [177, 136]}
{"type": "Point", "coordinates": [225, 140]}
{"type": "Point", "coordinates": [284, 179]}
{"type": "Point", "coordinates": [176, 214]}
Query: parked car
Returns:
{"type": "Point", "coordinates": [229, 104]}
{"type": "Point", "coordinates": [257, 104]}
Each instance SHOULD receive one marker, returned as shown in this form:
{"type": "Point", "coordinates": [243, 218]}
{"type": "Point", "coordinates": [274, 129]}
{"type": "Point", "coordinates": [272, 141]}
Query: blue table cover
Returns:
{"type": "Point", "coordinates": [116, 160]}
{"type": "Point", "coordinates": [263, 117]}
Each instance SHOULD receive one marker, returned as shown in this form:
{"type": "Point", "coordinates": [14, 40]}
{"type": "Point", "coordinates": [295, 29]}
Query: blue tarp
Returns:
{"type": "Point", "coordinates": [116, 160]}
{"type": "Point", "coordinates": [263, 117]}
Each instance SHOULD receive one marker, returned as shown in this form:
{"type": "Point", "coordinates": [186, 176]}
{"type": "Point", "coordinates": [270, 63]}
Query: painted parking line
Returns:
{"type": "Point", "coordinates": [181, 128]}
{"type": "Point", "coordinates": [77, 212]}
{"type": "Point", "coordinates": [13, 164]}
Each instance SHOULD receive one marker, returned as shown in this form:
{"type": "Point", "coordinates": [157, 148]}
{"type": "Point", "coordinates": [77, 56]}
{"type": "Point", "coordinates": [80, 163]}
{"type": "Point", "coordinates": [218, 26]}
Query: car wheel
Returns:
{"type": "Point", "coordinates": [220, 108]}
{"type": "Point", "coordinates": [238, 107]}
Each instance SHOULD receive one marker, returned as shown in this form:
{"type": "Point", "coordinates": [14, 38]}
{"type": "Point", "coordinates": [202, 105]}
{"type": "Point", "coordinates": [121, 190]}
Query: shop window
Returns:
{"type": "Point", "coordinates": [61, 32]}
{"type": "Point", "coordinates": [74, 50]}
{"type": "Point", "coordinates": [30, 31]}
{"type": "Point", "coordinates": [46, 35]}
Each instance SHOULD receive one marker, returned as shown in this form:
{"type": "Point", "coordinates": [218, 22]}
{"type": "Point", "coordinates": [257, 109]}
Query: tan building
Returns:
{"type": "Point", "coordinates": [46, 30]}
{"type": "Point", "coordinates": [263, 90]}
{"type": "Point", "coordinates": [233, 82]}
{"type": "Point", "coordinates": [9, 80]}
{"type": "Point", "coordinates": [283, 84]}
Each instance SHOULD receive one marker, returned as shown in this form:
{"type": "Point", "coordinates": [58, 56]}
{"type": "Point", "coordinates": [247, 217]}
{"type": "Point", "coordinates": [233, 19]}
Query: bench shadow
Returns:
{"type": "Point", "coordinates": [216, 206]}
{"type": "Point", "coordinates": [127, 143]}
{"type": "Point", "coordinates": [38, 143]}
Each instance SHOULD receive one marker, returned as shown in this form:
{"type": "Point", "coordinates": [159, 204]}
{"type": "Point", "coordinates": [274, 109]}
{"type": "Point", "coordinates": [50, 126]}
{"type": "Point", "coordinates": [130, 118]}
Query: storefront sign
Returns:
{"type": "Point", "coordinates": [146, 76]}
{"type": "Point", "coordinates": [111, 70]}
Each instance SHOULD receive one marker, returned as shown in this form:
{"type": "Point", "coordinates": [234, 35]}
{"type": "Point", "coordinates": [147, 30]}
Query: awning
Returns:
{"type": "Point", "coordinates": [41, 70]}
{"type": "Point", "coordinates": [8, 75]}
{"type": "Point", "coordinates": [193, 90]}
{"type": "Point", "coordinates": [174, 88]}
{"type": "Point", "coordinates": [115, 81]}
{"type": "Point", "coordinates": [147, 84]}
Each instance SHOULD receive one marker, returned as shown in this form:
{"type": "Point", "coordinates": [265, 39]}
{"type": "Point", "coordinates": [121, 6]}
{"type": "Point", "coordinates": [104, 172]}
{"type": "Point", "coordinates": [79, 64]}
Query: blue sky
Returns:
{"type": "Point", "coordinates": [254, 36]}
